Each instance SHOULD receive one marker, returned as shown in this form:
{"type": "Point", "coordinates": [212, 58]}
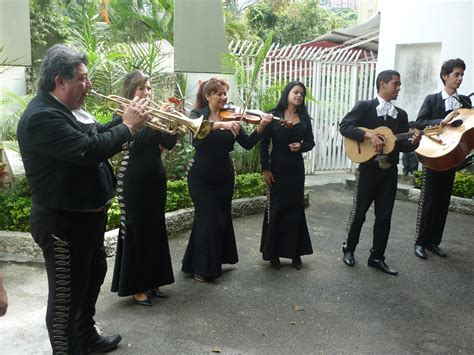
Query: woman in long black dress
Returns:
{"type": "Point", "coordinates": [142, 262]}
{"type": "Point", "coordinates": [284, 232]}
{"type": "Point", "coordinates": [211, 184]}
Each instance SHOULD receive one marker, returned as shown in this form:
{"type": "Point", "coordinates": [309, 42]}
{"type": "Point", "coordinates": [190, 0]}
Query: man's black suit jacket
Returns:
{"type": "Point", "coordinates": [364, 114]}
{"type": "Point", "coordinates": [433, 110]}
{"type": "Point", "coordinates": [65, 165]}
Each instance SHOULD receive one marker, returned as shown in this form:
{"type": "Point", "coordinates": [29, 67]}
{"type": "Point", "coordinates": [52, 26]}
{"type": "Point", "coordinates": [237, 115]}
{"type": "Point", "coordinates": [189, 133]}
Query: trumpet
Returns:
{"type": "Point", "coordinates": [170, 122]}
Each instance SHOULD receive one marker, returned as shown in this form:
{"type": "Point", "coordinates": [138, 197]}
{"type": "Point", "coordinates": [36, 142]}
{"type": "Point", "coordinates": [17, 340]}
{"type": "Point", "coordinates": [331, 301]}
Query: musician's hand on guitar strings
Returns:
{"type": "Point", "coordinates": [415, 139]}
{"type": "Point", "coordinates": [376, 140]}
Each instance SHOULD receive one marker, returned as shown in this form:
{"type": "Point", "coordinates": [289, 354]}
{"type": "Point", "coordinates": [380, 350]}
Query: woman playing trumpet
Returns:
{"type": "Point", "coordinates": [211, 184]}
{"type": "Point", "coordinates": [143, 261]}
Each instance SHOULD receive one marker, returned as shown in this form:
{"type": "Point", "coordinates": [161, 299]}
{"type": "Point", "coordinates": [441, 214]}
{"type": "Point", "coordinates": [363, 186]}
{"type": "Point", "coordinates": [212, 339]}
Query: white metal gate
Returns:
{"type": "Point", "coordinates": [336, 78]}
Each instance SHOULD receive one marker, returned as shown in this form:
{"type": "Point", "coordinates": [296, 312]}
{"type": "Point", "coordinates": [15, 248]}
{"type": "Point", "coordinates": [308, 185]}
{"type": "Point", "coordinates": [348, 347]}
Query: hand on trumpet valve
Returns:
{"type": "Point", "coordinates": [167, 107]}
{"type": "Point", "coordinates": [136, 113]}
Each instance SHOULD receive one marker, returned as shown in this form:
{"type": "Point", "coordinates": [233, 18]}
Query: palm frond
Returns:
{"type": "Point", "coordinates": [11, 145]}
{"type": "Point", "coordinates": [13, 106]}
{"type": "Point", "coordinates": [155, 19]}
{"type": "Point", "coordinates": [234, 29]}
{"type": "Point", "coordinates": [260, 58]}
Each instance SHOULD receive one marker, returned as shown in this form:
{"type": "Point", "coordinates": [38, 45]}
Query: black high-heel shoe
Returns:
{"type": "Point", "coordinates": [297, 263]}
{"type": "Point", "coordinates": [199, 278]}
{"type": "Point", "coordinates": [158, 294]}
{"type": "Point", "coordinates": [146, 302]}
{"type": "Point", "coordinates": [275, 263]}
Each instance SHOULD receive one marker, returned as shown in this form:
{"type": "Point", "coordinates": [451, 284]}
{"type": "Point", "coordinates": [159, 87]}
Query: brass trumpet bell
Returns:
{"type": "Point", "coordinates": [170, 122]}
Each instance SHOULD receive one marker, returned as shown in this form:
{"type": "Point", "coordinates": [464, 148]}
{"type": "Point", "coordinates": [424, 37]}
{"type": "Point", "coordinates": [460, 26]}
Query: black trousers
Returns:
{"type": "Point", "coordinates": [433, 205]}
{"type": "Point", "coordinates": [75, 260]}
{"type": "Point", "coordinates": [379, 186]}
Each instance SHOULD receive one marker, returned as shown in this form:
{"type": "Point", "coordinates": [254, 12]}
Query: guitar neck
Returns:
{"type": "Point", "coordinates": [407, 135]}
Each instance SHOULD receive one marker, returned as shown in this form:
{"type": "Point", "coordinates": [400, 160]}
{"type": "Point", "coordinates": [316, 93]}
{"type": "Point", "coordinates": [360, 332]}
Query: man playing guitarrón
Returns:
{"type": "Point", "coordinates": [437, 185]}
{"type": "Point", "coordinates": [376, 179]}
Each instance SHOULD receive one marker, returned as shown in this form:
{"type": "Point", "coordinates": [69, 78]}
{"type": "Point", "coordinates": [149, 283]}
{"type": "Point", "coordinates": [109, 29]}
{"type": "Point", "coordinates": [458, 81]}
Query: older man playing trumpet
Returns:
{"type": "Point", "coordinates": [65, 154]}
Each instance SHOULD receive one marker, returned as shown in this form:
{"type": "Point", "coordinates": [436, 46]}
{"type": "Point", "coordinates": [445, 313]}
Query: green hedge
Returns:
{"type": "Point", "coordinates": [15, 202]}
{"type": "Point", "coordinates": [463, 183]}
{"type": "Point", "coordinates": [249, 185]}
{"type": "Point", "coordinates": [15, 207]}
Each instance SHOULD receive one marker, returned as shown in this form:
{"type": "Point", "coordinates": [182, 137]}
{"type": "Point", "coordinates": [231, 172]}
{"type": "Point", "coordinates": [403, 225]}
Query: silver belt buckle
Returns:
{"type": "Point", "coordinates": [384, 161]}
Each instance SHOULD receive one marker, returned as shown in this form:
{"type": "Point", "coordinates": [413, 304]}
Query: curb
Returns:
{"type": "Point", "coordinates": [20, 246]}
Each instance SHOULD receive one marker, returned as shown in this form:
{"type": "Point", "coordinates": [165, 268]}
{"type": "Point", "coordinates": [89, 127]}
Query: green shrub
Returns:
{"type": "Point", "coordinates": [5, 217]}
{"type": "Point", "coordinates": [463, 183]}
{"type": "Point", "coordinates": [249, 185]}
{"type": "Point", "coordinates": [15, 205]}
{"type": "Point", "coordinates": [178, 195]}
{"type": "Point", "coordinates": [113, 216]}
{"type": "Point", "coordinates": [176, 161]}
{"type": "Point", "coordinates": [15, 202]}
{"type": "Point", "coordinates": [418, 178]}
{"type": "Point", "coordinates": [102, 115]}
{"type": "Point", "coordinates": [19, 209]}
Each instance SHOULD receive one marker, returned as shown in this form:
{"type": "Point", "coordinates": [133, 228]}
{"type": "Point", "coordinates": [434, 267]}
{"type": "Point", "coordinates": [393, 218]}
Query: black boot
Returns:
{"type": "Point", "coordinates": [297, 263]}
{"type": "Point", "coordinates": [348, 258]}
{"type": "Point", "coordinates": [275, 263]}
{"type": "Point", "coordinates": [102, 344]}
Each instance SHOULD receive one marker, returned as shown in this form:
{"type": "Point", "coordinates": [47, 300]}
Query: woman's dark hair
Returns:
{"type": "Point", "coordinates": [132, 82]}
{"type": "Point", "coordinates": [59, 60]}
{"type": "Point", "coordinates": [208, 87]}
{"type": "Point", "coordinates": [283, 103]}
{"type": "Point", "coordinates": [449, 65]}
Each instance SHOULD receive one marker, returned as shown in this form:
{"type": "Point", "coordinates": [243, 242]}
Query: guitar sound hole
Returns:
{"type": "Point", "coordinates": [456, 123]}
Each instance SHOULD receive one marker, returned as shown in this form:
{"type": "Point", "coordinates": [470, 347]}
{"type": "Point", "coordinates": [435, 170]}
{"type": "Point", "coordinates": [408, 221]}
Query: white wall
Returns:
{"type": "Point", "coordinates": [16, 42]}
{"type": "Point", "coordinates": [15, 32]}
{"type": "Point", "coordinates": [443, 24]}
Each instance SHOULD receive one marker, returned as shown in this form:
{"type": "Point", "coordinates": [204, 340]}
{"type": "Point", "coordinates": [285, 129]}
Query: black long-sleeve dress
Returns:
{"type": "Point", "coordinates": [211, 186]}
{"type": "Point", "coordinates": [143, 259]}
{"type": "Point", "coordinates": [284, 232]}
